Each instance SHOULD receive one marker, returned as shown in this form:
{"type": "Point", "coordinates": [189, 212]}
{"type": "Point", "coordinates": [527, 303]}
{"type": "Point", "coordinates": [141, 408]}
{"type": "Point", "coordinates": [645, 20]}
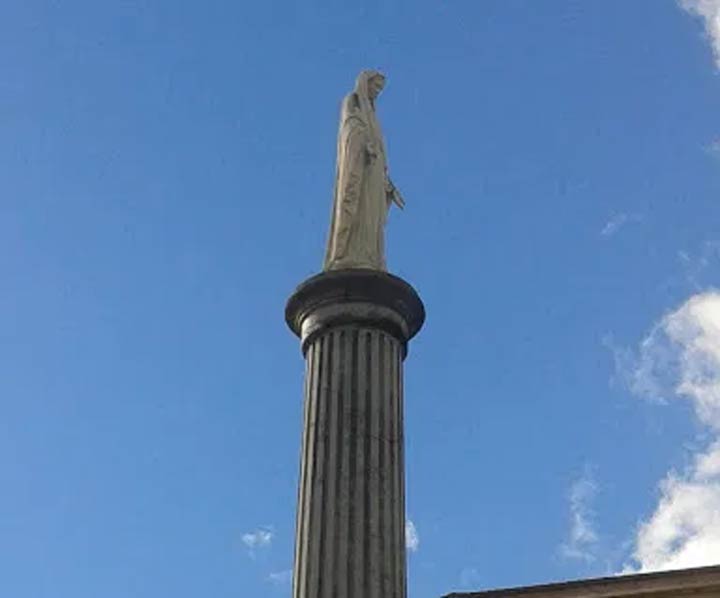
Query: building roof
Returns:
{"type": "Point", "coordinates": [702, 582]}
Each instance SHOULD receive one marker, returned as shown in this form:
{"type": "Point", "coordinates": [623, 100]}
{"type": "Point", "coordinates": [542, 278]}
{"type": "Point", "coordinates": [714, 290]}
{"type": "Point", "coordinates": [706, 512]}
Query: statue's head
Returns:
{"type": "Point", "coordinates": [376, 84]}
{"type": "Point", "coordinates": [371, 82]}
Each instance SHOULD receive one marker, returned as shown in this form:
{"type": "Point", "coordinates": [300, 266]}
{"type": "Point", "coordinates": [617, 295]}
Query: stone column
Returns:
{"type": "Point", "coordinates": [354, 326]}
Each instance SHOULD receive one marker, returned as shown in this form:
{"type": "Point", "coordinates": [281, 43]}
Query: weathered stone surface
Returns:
{"type": "Point", "coordinates": [363, 191]}
{"type": "Point", "coordinates": [357, 296]}
{"type": "Point", "coordinates": [350, 536]}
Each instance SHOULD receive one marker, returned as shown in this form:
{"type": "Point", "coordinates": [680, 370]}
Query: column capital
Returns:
{"type": "Point", "coordinates": [355, 297]}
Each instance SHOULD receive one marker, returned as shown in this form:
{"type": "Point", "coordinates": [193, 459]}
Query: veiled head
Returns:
{"type": "Point", "coordinates": [370, 83]}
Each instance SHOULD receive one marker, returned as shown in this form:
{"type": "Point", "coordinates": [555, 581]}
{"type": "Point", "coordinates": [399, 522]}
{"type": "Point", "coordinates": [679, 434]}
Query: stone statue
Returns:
{"type": "Point", "coordinates": [363, 192]}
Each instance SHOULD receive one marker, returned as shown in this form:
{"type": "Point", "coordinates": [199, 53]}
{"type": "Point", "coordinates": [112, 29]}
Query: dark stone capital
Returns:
{"type": "Point", "coordinates": [358, 297]}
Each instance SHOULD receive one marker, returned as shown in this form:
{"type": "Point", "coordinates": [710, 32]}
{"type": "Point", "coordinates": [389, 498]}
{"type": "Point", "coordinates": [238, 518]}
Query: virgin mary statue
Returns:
{"type": "Point", "coordinates": [363, 191]}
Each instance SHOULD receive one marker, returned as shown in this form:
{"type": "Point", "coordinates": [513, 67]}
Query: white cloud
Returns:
{"type": "Point", "coordinates": [260, 538]}
{"type": "Point", "coordinates": [684, 530]}
{"type": "Point", "coordinates": [582, 537]}
{"type": "Point", "coordinates": [281, 578]}
{"type": "Point", "coordinates": [412, 539]}
{"type": "Point", "coordinates": [709, 11]}
{"type": "Point", "coordinates": [680, 359]}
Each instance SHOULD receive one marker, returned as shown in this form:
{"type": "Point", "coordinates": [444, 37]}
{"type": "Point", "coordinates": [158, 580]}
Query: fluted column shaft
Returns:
{"type": "Point", "coordinates": [351, 511]}
{"type": "Point", "coordinates": [350, 534]}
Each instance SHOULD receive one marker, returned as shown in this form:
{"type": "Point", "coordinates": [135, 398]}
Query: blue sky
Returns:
{"type": "Point", "coordinates": [166, 172]}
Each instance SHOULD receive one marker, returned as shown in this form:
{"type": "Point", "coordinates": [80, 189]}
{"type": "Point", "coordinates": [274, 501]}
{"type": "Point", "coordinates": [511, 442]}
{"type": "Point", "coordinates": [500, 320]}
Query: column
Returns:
{"type": "Point", "coordinates": [354, 327]}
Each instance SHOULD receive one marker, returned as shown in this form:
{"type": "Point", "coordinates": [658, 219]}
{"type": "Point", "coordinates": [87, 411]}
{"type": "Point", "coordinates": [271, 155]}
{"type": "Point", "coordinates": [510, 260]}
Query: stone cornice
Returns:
{"type": "Point", "coordinates": [702, 582]}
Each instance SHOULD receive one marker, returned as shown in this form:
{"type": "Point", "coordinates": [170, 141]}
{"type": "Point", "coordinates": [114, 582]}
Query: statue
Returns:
{"type": "Point", "coordinates": [363, 192]}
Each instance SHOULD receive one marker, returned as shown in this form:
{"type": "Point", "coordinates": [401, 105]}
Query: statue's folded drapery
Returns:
{"type": "Point", "coordinates": [360, 204]}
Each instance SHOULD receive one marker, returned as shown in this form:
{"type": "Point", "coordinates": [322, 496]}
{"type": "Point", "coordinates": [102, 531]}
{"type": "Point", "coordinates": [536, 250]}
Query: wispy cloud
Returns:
{"type": "Point", "coordinates": [281, 578]}
{"type": "Point", "coordinates": [700, 267]}
{"type": "Point", "coordinates": [709, 11]}
{"type": "Point", "coordinates": [582, 537]}
{"type": "Point", "coordinates": [618, 221]}
{"type": "Point", "coordinates": [680, 359]}
{"type": "Point", "coordinates": [412, 539]}
{"type": "Point", "coordinates": [260, 538]}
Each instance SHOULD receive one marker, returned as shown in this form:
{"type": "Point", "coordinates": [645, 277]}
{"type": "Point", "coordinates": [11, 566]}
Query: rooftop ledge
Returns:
{"type": "Point", "coordinates": [703, 582]}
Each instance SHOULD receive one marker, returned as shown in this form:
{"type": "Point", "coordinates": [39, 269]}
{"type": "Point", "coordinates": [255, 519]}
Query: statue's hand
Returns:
{"type": "Point", "coordinates": [393, 195]}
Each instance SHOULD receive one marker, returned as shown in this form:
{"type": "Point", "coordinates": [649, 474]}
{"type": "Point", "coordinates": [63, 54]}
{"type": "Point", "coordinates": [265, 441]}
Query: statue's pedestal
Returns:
{"type": "Point", "coordinates": [354, 327]}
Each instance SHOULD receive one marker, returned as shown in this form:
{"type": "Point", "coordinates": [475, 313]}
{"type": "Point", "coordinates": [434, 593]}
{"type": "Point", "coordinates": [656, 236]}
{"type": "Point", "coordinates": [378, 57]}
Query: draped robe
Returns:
{"type": "Point", "coordinates": [360, 203]}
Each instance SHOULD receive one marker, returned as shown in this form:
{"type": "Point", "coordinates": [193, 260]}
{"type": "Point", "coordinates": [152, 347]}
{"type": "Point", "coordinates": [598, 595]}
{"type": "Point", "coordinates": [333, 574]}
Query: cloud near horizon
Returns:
{"type": "Point", "coordinates": [412, 539]}
{"type": "Point", "coordinates": [582, 537]}
{"type": "Point", "coordinates": [680, 359]}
